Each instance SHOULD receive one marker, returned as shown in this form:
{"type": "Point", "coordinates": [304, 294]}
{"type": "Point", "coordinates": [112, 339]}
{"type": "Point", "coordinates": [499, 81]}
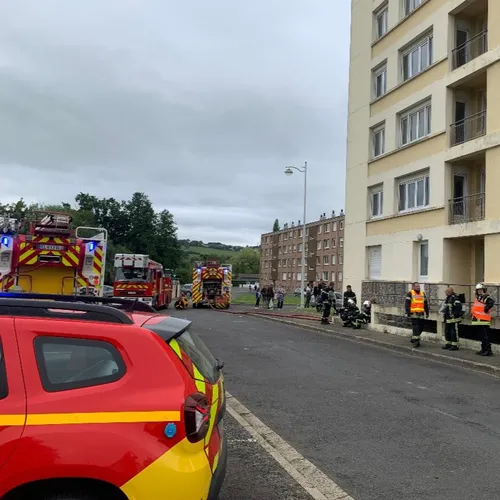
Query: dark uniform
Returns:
{"type": "Point", "coordinates": [452, 318]}
{"type": "Point", "coordinates": [481, 319]}
{"type": "Point", "coordinates": [416, 306]}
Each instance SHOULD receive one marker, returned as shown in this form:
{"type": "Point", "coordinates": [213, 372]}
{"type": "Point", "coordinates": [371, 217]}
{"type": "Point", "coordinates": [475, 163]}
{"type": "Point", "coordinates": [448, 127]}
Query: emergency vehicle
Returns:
{"type": "Point", "coordinates": [137, 277]}
{"type": "Point", "coordinates": [212, 284]}
{"type": "Point", "coordinates": [105, 399]}
{"type": "Point", "coordinates": [52, 258]}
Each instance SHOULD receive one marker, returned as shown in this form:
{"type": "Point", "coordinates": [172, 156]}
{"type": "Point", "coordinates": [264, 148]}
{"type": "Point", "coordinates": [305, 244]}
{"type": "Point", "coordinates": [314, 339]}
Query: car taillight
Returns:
{"type": "Point", "coordinates": [197, 417]}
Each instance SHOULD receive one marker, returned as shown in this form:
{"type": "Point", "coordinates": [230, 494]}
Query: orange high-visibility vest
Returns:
{"type": "Point", "coordinates": [478, 311]}
{"type": "Point", "coordinates": [417, 302]}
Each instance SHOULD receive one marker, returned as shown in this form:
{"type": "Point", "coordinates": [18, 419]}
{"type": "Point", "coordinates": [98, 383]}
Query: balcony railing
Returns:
{"type": "Point", "coordinates": [467, 209]}
{"type": "Point", "coordinates": [471, 49]}
{"type": "Point", "coordinates": [470, 128]}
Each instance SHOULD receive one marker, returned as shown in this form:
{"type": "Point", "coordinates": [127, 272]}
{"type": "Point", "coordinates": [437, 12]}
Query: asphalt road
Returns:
{"type": "Point", "coordinates": [382, 425]}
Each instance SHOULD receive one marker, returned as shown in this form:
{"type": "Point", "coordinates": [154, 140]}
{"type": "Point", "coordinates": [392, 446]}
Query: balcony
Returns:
{"type": "Point", "coordinates": [467, 209]}
{"type": "Point", "coordinates": [469, 50]}
{"type": "Point", "coordinates": [469, 128]}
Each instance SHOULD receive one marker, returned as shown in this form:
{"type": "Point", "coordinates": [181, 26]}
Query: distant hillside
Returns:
{"type": "Point", "coordinates": [198, 250]}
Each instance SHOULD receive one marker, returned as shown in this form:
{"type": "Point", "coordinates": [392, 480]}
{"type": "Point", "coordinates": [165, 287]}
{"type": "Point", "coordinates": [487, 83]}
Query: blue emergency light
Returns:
{"type": "Point", "coordinates": [92, 246]}
{"type": "Point", "coordinates": [5, 241]}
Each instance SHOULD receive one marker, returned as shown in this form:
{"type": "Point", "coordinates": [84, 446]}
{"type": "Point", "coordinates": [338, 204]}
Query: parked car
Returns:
{"type": "Point", "coordinates": [107, 291]}
{"type": "Point", "coordinates": [296, 292]}
{"type": "Point", "coordinates": [127, 403]}
{"type": "Point", "coordinates": [187, 288]}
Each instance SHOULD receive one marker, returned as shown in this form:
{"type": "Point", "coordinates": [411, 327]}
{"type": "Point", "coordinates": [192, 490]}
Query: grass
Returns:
{"type": "Point", "coordinates": [249, 299]}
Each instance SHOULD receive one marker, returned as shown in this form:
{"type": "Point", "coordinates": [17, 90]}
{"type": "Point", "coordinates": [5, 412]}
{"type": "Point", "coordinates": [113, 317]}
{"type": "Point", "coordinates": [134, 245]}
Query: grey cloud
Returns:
{"type": "Point", "coordinates": [199, 105]}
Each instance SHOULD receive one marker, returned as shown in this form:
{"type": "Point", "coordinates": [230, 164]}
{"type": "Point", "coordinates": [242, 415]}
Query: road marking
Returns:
{"type": "Point", "coordinates": [306, 474]}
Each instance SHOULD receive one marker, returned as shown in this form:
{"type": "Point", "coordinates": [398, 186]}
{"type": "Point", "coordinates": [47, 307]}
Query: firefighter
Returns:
{"type": "Point", "coordinates": [416, 306]}
{"type": "Point", "coordinates": [481, 318]}
{"type": "Point", "coordinates": [452, 313]}
{"type": "Point", "coordinates": [328, 299]}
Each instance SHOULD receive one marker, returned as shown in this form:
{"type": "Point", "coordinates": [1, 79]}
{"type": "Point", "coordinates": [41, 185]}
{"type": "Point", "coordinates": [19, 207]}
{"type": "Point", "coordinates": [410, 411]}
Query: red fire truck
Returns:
{"type": "Point", "coordinates": [52, 258]}
{"type": "Point", "coordinates": [137, 277]}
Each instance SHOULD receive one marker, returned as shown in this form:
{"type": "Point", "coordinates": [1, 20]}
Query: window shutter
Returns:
{"type": "Point", "coordinates": [374, 262]}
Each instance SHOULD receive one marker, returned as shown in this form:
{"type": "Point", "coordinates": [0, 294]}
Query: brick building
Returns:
{"type": "Point", "coordinates": [281, 253]}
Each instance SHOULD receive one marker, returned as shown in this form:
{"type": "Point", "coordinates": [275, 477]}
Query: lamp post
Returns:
{"type": "Point", "coordinates": [289, 171]}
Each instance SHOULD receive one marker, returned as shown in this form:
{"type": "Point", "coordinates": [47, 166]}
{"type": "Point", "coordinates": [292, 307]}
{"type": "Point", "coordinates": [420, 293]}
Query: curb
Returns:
{"type": "Point", "coordinates": [352, 337]}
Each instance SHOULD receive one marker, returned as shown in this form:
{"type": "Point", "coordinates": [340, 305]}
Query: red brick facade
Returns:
{"type": "Point", "coordinates": [281, 253]}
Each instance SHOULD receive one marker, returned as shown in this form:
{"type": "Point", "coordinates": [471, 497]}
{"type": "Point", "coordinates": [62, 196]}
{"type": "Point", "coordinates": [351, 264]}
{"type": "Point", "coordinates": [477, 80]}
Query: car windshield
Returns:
{"type": "Point", "coordinates": [131, 274]}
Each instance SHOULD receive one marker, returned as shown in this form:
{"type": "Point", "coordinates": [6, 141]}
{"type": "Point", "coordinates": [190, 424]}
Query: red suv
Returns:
{"type": "Point", "coordinates": [106, 399]}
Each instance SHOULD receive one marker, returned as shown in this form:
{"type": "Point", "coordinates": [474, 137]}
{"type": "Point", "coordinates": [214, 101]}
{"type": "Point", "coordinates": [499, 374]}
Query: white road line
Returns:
{"type": "Point", "coordinates": [306, 474]}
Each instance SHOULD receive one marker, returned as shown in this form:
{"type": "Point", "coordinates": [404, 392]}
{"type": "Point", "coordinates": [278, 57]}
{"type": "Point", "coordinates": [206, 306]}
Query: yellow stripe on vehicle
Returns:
{"type": "Point", "coordinates": [120, 417]}
{"type": "Point", "coordinates": [175, 347]}
{"type": "Point", "coordinates": [216, 462]}
{"type": "Point", "coordinates": [213, 413]}
{"type": "Point", "coordinates": [199, 380]}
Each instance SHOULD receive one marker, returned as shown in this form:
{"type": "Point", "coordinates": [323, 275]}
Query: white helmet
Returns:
{"type": "Point", "coordinates": [480, 286]}
{"type": "Point", "coordinates": [367, 303]}
{"type": "Point", "coordinates": [350, 302]}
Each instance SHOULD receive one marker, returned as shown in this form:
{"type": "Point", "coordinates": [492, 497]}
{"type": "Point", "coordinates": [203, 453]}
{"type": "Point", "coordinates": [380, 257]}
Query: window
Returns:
{"type": "Point", "coordinates": [417, 58]}
{"type": "Point", "coordinates": [318, 260]}
{"type": "Point", "coordinates": [325, 275]}
{"type": "Point", "coordinates": [4, 391]}
{"type": "Point", "coordinates": [319, 245]}
{"type": "Point", "coordinates": [327, 228]}
{"type": "Point", "coordinates": [319, 229]}
{"type": "Point", "coordinates": [334, 242]}
{"type": "Point", "coordinates": [326, 244]}
{"type": "Point", "coordinates": [341, 242]}
{"type": "Point", "coordinates": [325, 260]}
{"type": "Point", "coordinates": [299, 276]}
{"type": "Point", "coordinates": [341, 226]}
{"type": "Point", "coordinates": [300, 247]}
{"type": "Point", "coordinates": [423, 261]}
{"type": "Point", "coordinates": [66, 364]}
{"type": "Point", "coordinates": [341, 259]}
{"type": "Point", "coordinates": [377, 201]}
{"type": "Point", "coordinates": [334, 227]}
{"type": "Point", "coordinates": [374, 256]}
{"type": "Point", "coordinates": [300, 233]}
{"type": "Point", "coordinates": [415, 124]}
{"type": "Point", "coordinates": [411, 5]}
{"type": "Point", "coordinates": [381, 18]}
{"type": "Point", "coordinates": [333, 276]}
{"type": "Point", "coordinates": [414, 193]}
{"type": "Point", "coordinates": [293, 262]}
{"type": "Point", "coordinates": [334, 260]}
{"type": "Point", "coordinates": [380, 81]}
{"type": "Point", "coordinates": [378, 138]}
{"type": "Point", "coordinates": [340, 276]}
{"type": "Point", "coordinates": [284, 277]}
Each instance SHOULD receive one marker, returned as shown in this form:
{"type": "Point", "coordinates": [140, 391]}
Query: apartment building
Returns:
{"type": "Point", "coordinates": [423, 160]}
{"type": "Point", "coordinates": [281, 253]}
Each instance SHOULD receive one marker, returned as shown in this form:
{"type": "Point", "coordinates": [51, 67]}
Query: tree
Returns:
{"type": "Point", "coordinates": [247, 261]}
{"type": "Point", "coordinates": [276, 226]}
{"type": "Point", "coordinates": [168, 250]}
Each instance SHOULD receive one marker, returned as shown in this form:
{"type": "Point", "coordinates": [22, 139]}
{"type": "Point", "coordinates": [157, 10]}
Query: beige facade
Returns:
{"type": "Point", "coordinates": [423, 160]}
{"type": "Point", "coordinates": [281, 253]}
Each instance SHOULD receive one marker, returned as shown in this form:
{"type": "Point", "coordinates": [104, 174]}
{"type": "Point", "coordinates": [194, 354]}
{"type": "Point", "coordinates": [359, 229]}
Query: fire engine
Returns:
{"type": "Point", "coordinates": [52, 258]}
{"type": "Point", "coordinates": [212, 284]}
{"type": "Point", "coordinates": [137, 277]}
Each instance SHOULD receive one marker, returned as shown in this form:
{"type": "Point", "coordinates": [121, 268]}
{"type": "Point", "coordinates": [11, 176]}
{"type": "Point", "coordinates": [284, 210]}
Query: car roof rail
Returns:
{"type": "Point", "coordinates": [78, 307]}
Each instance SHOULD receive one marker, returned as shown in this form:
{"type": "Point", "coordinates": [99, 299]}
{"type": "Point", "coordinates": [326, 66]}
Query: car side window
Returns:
{"type": "Point", "coordinates": [4, 391]}
{"type": "Point", "coordinates": [71, 363]}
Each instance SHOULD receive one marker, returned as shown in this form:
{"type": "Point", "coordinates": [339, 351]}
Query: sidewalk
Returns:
{"type": "Point", "coordinates": [430, 349]}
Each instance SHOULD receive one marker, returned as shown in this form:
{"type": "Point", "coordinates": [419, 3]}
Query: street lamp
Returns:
{"type": "Point", "coordinates": [289, 171]}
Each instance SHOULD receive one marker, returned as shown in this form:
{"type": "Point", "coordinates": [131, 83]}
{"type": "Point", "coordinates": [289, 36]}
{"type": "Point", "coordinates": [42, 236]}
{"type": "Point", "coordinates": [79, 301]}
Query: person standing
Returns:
{"type": "Point", "coordinates": [308, 292]}
{"type": "Point", "coordinates": [452, 313]}
{"type": "Point", "coordinates": [280, 297]}
{"type": "Point", "coordinates": [416, 307]}
{"type": "Point", "coordinates": [481, 318]}
{"type": "Point", "coordinates": [349, 294]}
{"type": "Point", "coordinates": [257, 298]}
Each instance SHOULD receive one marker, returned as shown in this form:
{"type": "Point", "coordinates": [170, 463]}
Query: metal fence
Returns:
{"type": "Point", "coordinates": [471, 49]}
{"type": "Point", "coordinates": [467, 209]}
{"type": "Point", "coordinates": [393, 293]}
{"type": "Point", "coordinates": [469, 128]}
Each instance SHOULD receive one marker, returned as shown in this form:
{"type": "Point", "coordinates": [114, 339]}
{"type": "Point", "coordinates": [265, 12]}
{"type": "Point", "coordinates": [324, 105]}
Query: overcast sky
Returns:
{"type": "Point", "coordinates": [199, 104]}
